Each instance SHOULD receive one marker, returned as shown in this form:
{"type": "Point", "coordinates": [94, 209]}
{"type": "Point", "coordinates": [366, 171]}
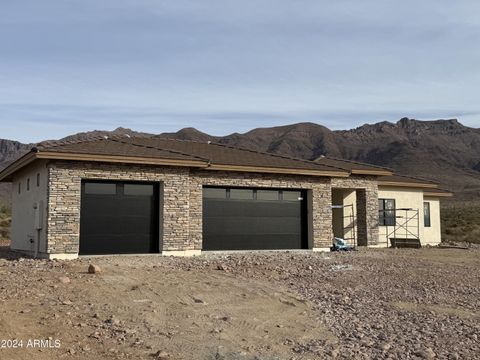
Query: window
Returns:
{"type": "Point", "coordinates": [291, 195]}
{"type": "Point", "coordinates": [241, 194]}
{"type": "Point", "coordinates": [28, 184]}
{"type": "Point", "coordinates": [138, 189]}
{"type": "Point", "coordinates": [386, 215]}
{"type": "Point", "coordinates": [271, 195]}
{"type": "Point", "coordinates": [214, 193]}
{"type": "Point", "coordinates": [100, 188]}
{"type": "Point", "coordinates": [426, 214]}
{"type": "Point", "coordinates": [38, 180]}
{"type": "Point", "coordinates": [19, 187]}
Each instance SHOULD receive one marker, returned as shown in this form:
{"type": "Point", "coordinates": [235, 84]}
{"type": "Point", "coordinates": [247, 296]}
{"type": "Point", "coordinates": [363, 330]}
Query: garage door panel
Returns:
{"type": "Point", "coordinates": [116, 223]}
{"type": "Point", "coordinates": [251, 223]}
{"type": "Point", "coordinates": [256, 225]}
{"type": "Point", "coordinates": [253, 242]}
{"type": "Point", "coordinates": [245, 208]}
{"type": "Point", "coordinates": [122, 243]}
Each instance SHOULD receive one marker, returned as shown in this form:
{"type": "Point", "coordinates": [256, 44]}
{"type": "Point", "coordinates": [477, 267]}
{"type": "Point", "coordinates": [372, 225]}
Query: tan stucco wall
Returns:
{"type": "Point", "coordinates": [23, 212]}
{"type": "Point", "coordinates": [433, 234]}
{"type": "Point", "coordinates": [404, 198]}
{"type": "Point", "coordinates": [350, 198]}
{"type": "Point", "coordinates": [412, 198]}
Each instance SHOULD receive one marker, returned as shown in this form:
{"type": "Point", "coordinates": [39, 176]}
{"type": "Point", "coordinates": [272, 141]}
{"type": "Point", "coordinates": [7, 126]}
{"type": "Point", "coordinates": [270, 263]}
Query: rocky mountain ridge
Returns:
{"type": "Point", "coordinates": [442, 150]}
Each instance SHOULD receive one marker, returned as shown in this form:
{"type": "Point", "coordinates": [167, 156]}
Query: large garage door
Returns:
{"type": "Point", "coordinates": [118, 218]}
{"type": "Point", "coordinates": [248, 219]}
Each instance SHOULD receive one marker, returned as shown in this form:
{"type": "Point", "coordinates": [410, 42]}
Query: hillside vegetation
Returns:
{"type": "Point", "coordinates": [461, 222]}
{"type": "Point", "coordinates": [5, 221]}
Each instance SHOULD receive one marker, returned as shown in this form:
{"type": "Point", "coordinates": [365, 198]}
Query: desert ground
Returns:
{"type": "Point", "coordinates": [367, 304]}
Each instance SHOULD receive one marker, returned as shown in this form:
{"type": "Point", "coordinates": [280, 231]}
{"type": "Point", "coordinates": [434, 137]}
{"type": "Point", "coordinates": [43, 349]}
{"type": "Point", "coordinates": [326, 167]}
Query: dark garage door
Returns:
{"type": "Point", "coordinates": [118, 218]}
{"type": "Point", "coordinates": [248, 219]}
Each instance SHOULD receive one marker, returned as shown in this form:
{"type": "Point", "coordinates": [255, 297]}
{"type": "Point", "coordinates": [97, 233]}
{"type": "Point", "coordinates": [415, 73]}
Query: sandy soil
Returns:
{"type": "Point", "coordinates": [403, 304]}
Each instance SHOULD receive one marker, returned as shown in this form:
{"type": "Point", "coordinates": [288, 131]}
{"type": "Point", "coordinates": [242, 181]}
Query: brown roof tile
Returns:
{"type": "Point", "coordinates": [396, 178]}
{"type": "Point", "coordinates": [353, 166]}
{"type": "Point", "coordinates": [204, 154]}
{"type": "Point", "coordinates": [116, 147]}
{"type": "Point", "coordinates": [219, 154]}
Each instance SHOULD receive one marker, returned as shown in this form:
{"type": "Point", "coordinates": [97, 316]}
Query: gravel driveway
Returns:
{"type": "Point", "coordinates": [369, 304]}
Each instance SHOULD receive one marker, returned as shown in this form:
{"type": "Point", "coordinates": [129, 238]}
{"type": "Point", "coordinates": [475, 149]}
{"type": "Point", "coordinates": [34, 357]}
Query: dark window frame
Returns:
{"type": "Point", "coordinates": [107, 188]}
{"type": "Point", "coordinates": [38, 180]}
{"type": "Point", "coordinates": [280, 191]}
{"type": "Point", "coordinates": [427, 221]}
{"type": "Point", "coordinates": [386, 217]}
{"type": "Point", "coordinates": [28, 184]}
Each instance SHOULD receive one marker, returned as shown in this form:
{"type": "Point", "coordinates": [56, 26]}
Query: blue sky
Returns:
{"type": "Point", "coordinates": [229, 66]}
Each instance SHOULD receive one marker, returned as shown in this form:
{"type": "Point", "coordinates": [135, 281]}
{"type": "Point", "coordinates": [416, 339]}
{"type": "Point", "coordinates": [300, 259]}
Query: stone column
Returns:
{"type": "Point", "coordinates": [63, 214]}
{"type": "Point", "coordinates": [322, 216]}
{"type": "Point", "coordinates": [367, 216]}
{"type": "Point", "coordinates": [196, 211]}
{"type": "Point", "coordinates": [372, 214]}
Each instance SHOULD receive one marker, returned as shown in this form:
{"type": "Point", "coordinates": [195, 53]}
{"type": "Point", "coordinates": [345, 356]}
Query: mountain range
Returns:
{"type": "Point", "coordinates": [441, 150]}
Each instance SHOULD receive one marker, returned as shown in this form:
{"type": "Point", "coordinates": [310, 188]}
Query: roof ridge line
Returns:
{"type": "Point", "coordinates": [276, 155]}
{"type": "Point", "coordinates": [179, 140]}
{"type": "Point", "coordinates": [156, 148]}
{"type": "Point", "coordinates": [57, 143]}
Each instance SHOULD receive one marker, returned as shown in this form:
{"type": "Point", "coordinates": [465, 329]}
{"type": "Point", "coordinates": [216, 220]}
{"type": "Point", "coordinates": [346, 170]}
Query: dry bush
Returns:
{"type": "Point", "coordinates": [5, 222]}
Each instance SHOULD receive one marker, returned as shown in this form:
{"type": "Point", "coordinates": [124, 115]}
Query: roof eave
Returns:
{"type": "Point", "coordinates": [407, 184]}
{"type": "Point", "coordinates": [372, 172]}
{"type": "Point", "coordinates": [6, 174]}
{"type": "Point", "coordinates": [120, 159]}
{"type": "Point", "coordinates": [439, 194]}
{"type": "Point", "coordinates": [276, 170]}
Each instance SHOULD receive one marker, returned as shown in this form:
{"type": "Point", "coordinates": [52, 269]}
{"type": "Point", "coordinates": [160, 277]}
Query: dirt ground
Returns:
{"type": "Point", "coordinates": [382, 304]}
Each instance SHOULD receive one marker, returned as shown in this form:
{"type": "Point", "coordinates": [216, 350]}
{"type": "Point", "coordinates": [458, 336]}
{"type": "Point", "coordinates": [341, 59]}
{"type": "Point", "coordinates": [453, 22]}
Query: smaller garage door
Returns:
{"type": "Point", "coordinates": [249, 219]}
{"type": "Point", "coordinates": [119, 218]}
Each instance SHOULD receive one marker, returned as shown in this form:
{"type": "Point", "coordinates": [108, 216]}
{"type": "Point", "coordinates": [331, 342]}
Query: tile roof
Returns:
{"type": "Point", "coordinates": [115, 147]}
{"type": "Point", "coordinates": [407, 180]}
{"type": "Point", "coordinates": [209, 153]}
{"type": "Point", "coordinates": [353, 166]}
{"type": "Point", "coordinates": [228, 155]}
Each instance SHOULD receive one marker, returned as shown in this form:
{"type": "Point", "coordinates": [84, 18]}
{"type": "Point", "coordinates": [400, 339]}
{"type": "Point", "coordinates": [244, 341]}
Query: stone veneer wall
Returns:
{"type": "Point", "coordinates": [320, 211]}
{"type": "Point", "coordinates": [367, 205]}
{"type": "Point", "coordinates": [182, 200]}
{"type": "Point", "coordinates": [65, 191]}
